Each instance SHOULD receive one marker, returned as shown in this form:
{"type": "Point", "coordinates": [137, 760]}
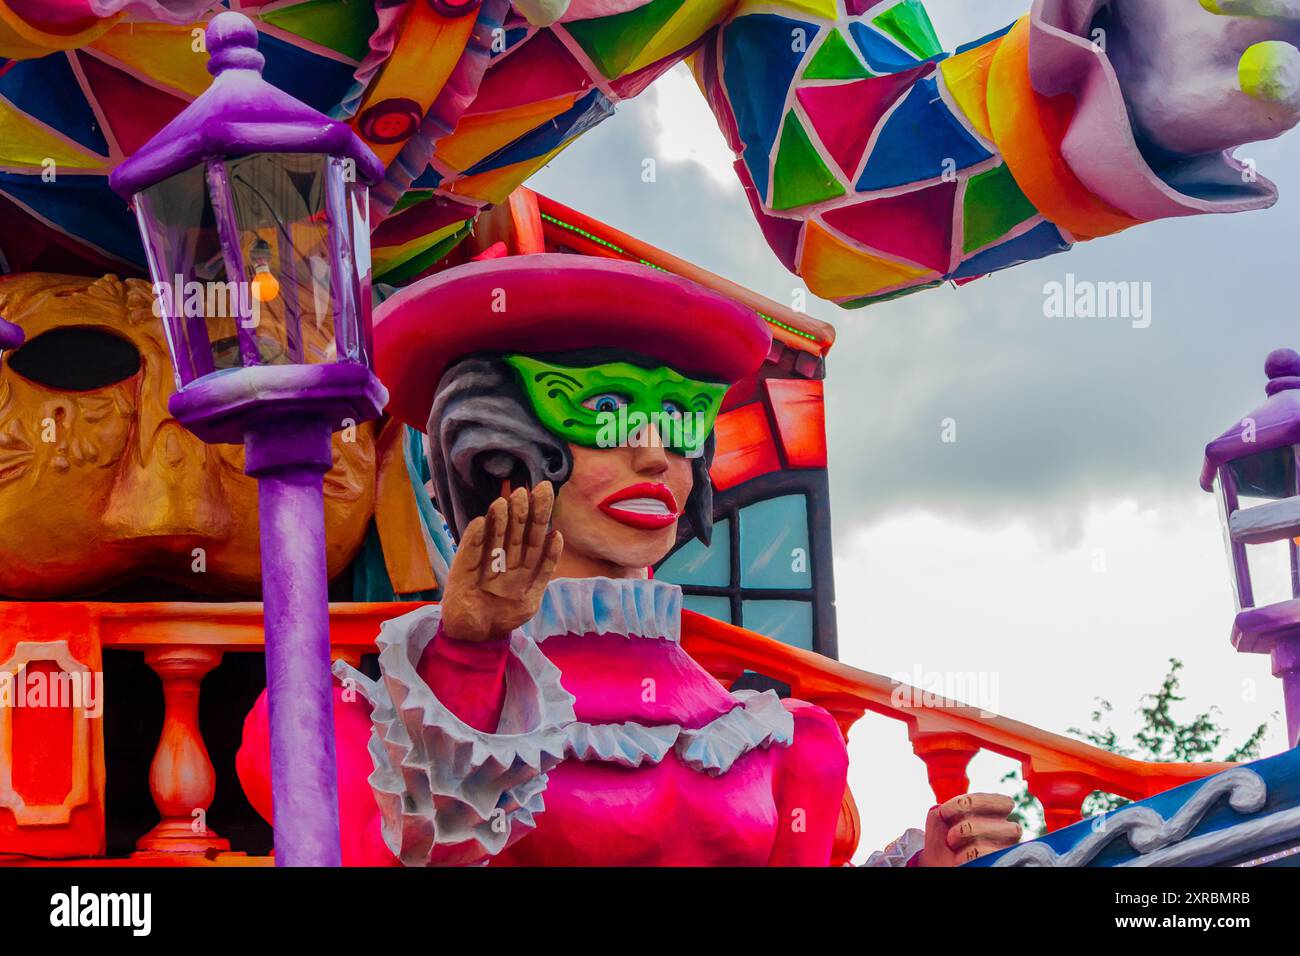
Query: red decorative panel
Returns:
{"type": "Point", "coordinates": [745, 447]}
{"type": "Point", "coordinates": [800, 416]}
{"type": "Point", "coordinates": [51, 732]}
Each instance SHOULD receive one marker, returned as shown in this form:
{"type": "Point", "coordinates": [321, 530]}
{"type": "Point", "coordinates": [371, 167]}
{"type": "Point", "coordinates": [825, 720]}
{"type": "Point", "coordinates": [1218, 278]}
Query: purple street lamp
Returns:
{"type": "Point", "coordinates": [254, 212]}
{"type": "Point", "coordinates": [1259, 459]}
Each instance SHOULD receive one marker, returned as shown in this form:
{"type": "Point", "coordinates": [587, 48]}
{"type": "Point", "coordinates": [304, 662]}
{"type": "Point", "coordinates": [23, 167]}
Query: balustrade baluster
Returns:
{"type": "Point", "coordinates": [946, 756]}
{"type": "Point", "coordinates": [1061, 793]}
{"type": "Point", "coordinates": [181, 777]}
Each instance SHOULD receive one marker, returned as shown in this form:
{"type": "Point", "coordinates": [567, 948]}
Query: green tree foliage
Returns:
{"type": "Point", "coordinates": [1160, 739]}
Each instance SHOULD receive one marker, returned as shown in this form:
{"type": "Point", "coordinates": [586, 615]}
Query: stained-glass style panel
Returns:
{"type": "Point", "coordinates": [790, 622]}
{"type": "Point", "coordinates": [694, 564]}
{"type": "Point", "coordinates": [774, 551]}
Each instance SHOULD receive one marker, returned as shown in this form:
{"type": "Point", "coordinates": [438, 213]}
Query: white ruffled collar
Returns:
{"type": "Point", "coordinates": [632, 607]}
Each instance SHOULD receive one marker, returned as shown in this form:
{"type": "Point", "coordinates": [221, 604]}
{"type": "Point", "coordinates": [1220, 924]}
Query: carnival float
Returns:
{"type": "Point", "coordinates": [364, 506]}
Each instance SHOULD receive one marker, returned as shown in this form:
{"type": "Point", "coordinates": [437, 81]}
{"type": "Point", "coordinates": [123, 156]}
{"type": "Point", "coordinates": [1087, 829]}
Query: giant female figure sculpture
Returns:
{"type": "Point", "coordinates": [545, 712]}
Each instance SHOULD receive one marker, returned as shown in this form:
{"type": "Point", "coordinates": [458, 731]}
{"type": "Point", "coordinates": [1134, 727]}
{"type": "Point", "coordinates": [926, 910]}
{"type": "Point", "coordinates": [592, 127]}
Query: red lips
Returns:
{"type": "Point", "coordinates": [647, 506]}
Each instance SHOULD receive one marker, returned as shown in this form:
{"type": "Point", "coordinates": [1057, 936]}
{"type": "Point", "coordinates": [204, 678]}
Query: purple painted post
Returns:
{"type": "Point", "coordinates": [284, 414]}
{"type": "Point", "coordinates": [289, 460]}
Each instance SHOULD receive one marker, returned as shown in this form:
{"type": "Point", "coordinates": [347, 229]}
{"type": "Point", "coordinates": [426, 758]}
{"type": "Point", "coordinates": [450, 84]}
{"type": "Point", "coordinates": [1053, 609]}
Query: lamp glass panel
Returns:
{"type": "Point", "coordinates": [360, 347]}
{"type": "Point", "coordinates": [1269, 474]}
{"type": "Point", "coordinates": [179, 228]}
{"type": "Point", "coordinates": [284, 238]}
{"type": "Point", "coordinates": [1270, 572]}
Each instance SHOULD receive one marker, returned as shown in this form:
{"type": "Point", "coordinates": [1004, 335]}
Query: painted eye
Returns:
{"type": "Point", "coordinates": [674, 409]}
{"type": "Point", "coordinates": [607, 403]}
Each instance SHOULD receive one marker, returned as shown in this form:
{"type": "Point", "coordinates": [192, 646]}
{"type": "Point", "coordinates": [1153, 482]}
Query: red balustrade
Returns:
{"type": "Point", "coordinates": [184, 641]}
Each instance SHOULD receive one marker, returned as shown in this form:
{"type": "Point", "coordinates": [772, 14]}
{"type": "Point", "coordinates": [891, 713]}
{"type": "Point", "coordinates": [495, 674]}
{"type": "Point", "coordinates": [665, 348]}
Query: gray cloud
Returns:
{"type": "Point", "coordinates": [1051, 414]}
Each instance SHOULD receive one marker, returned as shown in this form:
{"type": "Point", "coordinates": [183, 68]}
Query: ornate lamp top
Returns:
{"type": "Point", "coordinates": [1275, 424]}
{"type": "Point", "coordinates": [239, 113]}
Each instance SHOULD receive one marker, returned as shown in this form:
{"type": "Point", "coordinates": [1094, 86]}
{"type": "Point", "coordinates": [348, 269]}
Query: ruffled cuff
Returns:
{"type": "Point", "coordinates": [448, 793]}
{"type": "Point", "coordinates": [901, 852]}
{"type": "Point", "coordinates": [1099, 144]}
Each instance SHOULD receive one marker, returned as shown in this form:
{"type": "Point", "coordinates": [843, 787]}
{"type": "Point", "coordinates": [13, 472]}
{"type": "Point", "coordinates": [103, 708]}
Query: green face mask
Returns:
{"type": "Point", "coordinates": [609, 406]}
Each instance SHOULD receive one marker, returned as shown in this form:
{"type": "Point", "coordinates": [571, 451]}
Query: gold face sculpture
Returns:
{"type": "Point", "coordinates": [99, 484]}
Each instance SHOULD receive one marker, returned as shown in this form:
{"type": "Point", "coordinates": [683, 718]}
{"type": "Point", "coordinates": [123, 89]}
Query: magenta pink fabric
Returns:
{"type": "Point", "coordinates": [775, 806]}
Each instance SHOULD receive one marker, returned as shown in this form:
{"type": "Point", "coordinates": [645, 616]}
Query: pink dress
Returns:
{"type": "Point", "coordinates": [587, 738]}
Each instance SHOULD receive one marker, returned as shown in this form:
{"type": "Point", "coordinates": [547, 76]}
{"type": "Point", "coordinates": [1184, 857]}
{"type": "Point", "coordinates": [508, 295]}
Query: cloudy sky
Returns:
{"type": "Point", "coordinates": [1060, 548]}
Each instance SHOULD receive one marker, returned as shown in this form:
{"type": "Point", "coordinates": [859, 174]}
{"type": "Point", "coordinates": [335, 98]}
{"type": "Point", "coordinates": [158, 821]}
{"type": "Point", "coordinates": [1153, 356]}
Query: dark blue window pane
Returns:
{"type": "Point", "coordinates": [787, 621]}
{"type": "Point", "coordinates": [774, 550]}
{"type": "Point", "coordinates": [695, 564]}
{"type": "Point", "coordinates": [716, 607]}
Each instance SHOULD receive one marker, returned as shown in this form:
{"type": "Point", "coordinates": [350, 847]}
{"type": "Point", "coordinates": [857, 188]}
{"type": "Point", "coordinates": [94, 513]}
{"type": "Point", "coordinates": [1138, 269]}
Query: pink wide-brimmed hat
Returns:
{"type": "Point", "coordinates": [557, 302]}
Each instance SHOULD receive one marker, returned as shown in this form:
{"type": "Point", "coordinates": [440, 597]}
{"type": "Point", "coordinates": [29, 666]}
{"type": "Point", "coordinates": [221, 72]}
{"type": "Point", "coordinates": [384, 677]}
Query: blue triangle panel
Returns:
{"type": "Point", "coordinates": [577, 119]}
{"type": "Point", "coordinates": [318, 81]}
{"type": "Point", "coordinates": [882, 54]}
{"type": "Point", "coordinates": [83, 207]}
{"type": "Point", "coordinates": [429, 179]}
{"type": "Point", "coordinates": [760, 60]}
{"type": "Point", "coordinates": [48, 90]}
{"type": "Point", "coordinates": [917, 141]}
{"type": "Point", "coordinates": [1041, 241]}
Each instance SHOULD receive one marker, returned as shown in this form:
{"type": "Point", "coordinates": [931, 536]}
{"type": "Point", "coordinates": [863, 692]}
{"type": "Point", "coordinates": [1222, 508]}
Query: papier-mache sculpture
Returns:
{"type": "Point", "coordinates": [545, 712]}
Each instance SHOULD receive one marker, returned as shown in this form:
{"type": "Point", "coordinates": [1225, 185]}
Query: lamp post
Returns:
{"type": "Point", "coordinates": [1258, 460]}
{"type": "Point", "coordinates": [253, 209]}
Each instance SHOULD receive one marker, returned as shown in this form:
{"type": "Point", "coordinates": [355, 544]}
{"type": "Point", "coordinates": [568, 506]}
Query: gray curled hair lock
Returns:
{"type": "Point", "coordinates": [482, 431]}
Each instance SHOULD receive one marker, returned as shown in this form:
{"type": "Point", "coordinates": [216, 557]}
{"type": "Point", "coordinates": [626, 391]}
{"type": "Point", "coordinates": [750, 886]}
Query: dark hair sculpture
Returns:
{"type": "Point", "coordinates": [482, 432]}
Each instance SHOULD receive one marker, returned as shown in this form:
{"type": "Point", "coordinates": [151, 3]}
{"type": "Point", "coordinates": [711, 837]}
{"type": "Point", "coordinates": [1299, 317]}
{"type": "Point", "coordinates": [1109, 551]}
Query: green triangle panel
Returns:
{"type": "Point", "coordinates": [344, 26]}
{"type": "Point", "coordinates": [835, 60]}
{"type": "Point", "coordinates": [994, 206]}
{"type": "Point", "coordinates": [909, 24]}
{"type": "Point", "coordinates": [613, 42]}
{"type": "Point", "coordinates": [800, 177]}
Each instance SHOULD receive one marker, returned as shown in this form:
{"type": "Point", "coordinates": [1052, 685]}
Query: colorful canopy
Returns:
{"type": "Point", "coordinates": [66, 119]}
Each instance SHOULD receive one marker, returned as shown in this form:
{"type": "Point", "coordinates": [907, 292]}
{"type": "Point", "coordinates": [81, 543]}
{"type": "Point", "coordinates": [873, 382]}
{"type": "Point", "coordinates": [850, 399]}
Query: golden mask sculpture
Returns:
{"type": "Point", "coordinates": [99, 484]}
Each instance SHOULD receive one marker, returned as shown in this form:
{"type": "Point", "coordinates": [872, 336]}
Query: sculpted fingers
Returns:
{"type": "Point", "coordinates": [493, 563]}
{"type": "Point", "coordinates": [983, 804]}
{"type": "Point", "coordinates": [520, 503]}
{"type": "Point", "coordinates": [539, 520]}
{"type": "Point", "coordinates": [470, 552]}
{"type": "Point", "coordinates": [976, 850]}
{"type": "Point", "coordinates": [985, 831]}
{"type": "Point", "coordinates": [550, 558]}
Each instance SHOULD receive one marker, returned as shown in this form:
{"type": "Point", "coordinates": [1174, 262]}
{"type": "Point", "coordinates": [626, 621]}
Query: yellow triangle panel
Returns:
{"type": "Point", "coordinates": [819, 8]}
{"type": "Point", "coordinates": [162, 52]}
{"type": "Point", "coordinates": [967, 78]}
{"type": "Point", "coordinates": [479, 136]}
{"type": "Point", "coordinates": [685, 26]}
{"type": "Point", "coordinates": [835, 270]}
{"type": "Point", "coordinates": [386, 258]}
{"type": "Point", "coordinates": [24, 143]}
{"type": "Point", "coordinates": [496, 184]}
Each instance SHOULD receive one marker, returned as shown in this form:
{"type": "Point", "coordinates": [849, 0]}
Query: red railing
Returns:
{"type": "Point", "coordinates": [183, 642]}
